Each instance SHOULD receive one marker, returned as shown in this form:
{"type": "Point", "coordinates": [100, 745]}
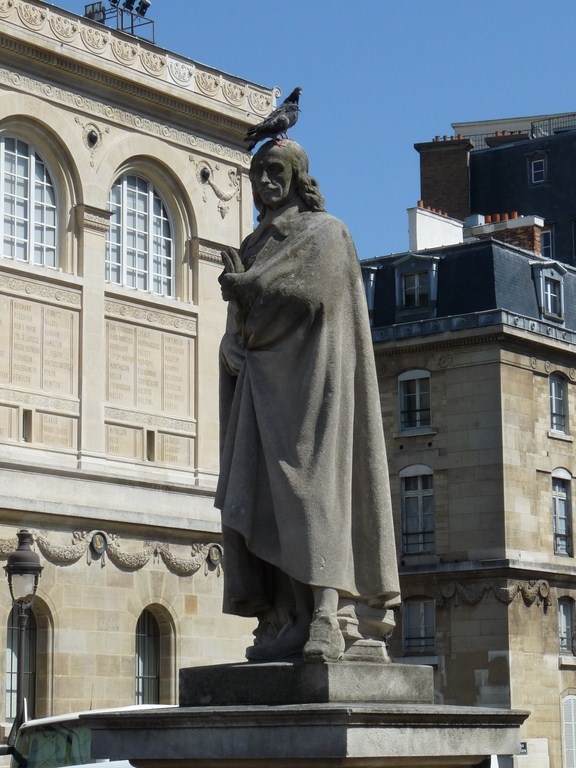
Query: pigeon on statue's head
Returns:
{"type": "Point", "coordinates": [277, 123]}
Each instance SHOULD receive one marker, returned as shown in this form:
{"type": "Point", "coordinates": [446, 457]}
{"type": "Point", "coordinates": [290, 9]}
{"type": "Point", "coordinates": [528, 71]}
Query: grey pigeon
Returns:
{"type": "Point", "coordinates": [277, 122]}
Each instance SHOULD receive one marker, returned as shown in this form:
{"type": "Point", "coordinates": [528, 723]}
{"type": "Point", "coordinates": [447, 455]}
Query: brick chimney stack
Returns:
{"type": "Point", "coordinates": [522, 231]}
{"type": "Point", "coordinates": [444, 181]}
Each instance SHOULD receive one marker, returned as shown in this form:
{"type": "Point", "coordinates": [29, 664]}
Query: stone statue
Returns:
{"type": "Point", "coordinates": [303, 489]}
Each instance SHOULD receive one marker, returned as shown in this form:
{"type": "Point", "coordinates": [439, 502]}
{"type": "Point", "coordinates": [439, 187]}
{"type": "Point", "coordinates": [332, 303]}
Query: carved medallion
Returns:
{"type": "Point", "coordinates": [6, 7]}
{"type": "Point", "coordinates": [94, 39]}
{"type": "Point", "coordinates": [207, 83]}
{"type": "Point", "coordinates": [64, 29]}
{"type": "Point", "coordinates": [124, 51]}
{"type": "Point", "coordinates": [260, 102]}
{"type": "Point", "coordinates": [181, 73]}
{"type": "Point", "coordinates": [152, 62]}
{"type": "Point", "coordinates": [31, 16]}
{"type": "Point", "coordinates": [233, 92]}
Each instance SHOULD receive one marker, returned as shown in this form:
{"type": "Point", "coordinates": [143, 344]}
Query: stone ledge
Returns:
{"type": "Point", "coordinates": [282, 683]}
{"type": "Point", "coordinates": [384, 735]}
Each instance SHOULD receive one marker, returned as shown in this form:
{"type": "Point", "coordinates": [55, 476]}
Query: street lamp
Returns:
{"type": "Point", "coordinates": [23, 570]}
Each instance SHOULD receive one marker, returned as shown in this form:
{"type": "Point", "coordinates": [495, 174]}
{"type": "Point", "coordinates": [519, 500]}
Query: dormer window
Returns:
{"type": "Point", "coordinates": [416, 286]}
{"type": "Point", "coordinates": [415, 290]}
{"type": "Point", "coordinates": [549, 283]}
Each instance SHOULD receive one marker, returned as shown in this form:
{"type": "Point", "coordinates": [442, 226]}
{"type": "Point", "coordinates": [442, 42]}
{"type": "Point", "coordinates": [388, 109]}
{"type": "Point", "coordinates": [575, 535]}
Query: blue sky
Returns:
{"type": "Point", "coordinates": [379, 76]}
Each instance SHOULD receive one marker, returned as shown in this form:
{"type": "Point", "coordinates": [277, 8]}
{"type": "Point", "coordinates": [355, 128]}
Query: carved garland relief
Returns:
{"type": "Point", "coordinates": [531, 592]}
{"type": "Point", "coordinates": [100, 545]}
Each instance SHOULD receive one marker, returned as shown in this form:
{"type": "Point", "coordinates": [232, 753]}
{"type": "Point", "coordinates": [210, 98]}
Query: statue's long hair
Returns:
{"type": "Point", "coordinates": [306, 187]}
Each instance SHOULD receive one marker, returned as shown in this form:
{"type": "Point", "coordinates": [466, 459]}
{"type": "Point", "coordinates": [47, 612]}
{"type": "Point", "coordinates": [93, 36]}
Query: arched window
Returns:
{"type": "Point", "coordinates": [417, 499]}
{"type": "Point", "coordinates": [562, 511]}
{"type": "Point", "coordinates": [414, 399]}
{"type": "Point", "coordinates": [28, 203]}
{"type": "Point", "coordinates": [12, 661]}
{"type": "Point", "coordinates": [139, 247]}
{"type": "Point", "coordinates": [147, 659]}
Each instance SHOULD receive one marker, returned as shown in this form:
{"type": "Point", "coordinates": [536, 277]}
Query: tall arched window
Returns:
{"type": "Point", "coordinates": [147, 659]}
{"type": "Point", "coordinates": [139, 248]}
{"type": "Point", "coordinates": [28, 203]}
{"type": "Point", "coordinates": [29, 662]}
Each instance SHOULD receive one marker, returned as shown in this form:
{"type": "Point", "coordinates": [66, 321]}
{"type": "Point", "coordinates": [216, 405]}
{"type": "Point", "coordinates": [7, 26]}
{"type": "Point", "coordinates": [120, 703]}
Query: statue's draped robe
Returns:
{"type": "Point", "coordinates": [303, 480]}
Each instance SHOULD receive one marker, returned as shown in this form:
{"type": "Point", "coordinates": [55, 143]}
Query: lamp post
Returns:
{"type": "Point", "coordinates": [23, 570]}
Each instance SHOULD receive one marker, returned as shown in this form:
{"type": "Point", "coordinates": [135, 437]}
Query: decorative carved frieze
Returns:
{"type": "Point", "coordinates": [102, 41]}
{"type": "Point", "coordinates": [472, 593]}
{"type": "Point", "coordinates": [209, 252]}
{"type": "Point", "coordinates": [44, 402]}
{"type": "Point", "coordinates": [102, 545]}
{"type": "Point", "coordinates": [151, 317]}
{"type": "Point", "coordinates": [39, 290]}
{"type": "Point", "coordinates": [89, 217]}
{"type": "Point", "coordinates": [149, 420]}
{"type": "Point", "coordinates": [120, 116]}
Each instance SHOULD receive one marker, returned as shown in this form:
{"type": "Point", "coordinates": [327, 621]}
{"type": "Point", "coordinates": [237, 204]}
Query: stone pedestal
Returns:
{"type": "Point", "coordinates": [306, 715]}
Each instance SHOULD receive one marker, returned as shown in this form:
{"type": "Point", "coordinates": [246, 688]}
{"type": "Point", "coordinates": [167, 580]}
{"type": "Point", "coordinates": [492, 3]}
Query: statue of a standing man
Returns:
{"type": "Point", "coordinates": [303, 490]}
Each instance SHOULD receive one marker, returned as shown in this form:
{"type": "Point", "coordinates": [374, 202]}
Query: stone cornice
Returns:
{"type": "Point", "coordinates": [129, 64]}
{"type": "Point", "coordinates": [128, 119]}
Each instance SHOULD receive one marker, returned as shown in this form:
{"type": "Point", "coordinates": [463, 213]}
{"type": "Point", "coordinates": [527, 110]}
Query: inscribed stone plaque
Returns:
{"type": "Point", "coordinates": [178, 375]}
{"type": "Point", "coordinates": [38, 346]}
{"type": "Point", "coordinates": [5, 337]}
{"type": "Point", "coordinates": [121, 363]}
{"type": "Point", "coordinates": [127, 442]}
{"type": "Point", "coordinates": [150, 369]}
{"type": "Point", "coordinates": [58, 351]}
{"type": "Point", "coordinates": [8, 422]}
{"type": "Point", "coordinates": [175, 449]}
{"type": "Point", "coordinates": [56, 431]}
{"type": "Point", "coordinates": [26, 344]}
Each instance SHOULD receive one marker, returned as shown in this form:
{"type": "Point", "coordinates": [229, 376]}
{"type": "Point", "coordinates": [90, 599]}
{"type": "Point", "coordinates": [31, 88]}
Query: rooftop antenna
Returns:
{"type": "Point", "coordinates": [128, 14]}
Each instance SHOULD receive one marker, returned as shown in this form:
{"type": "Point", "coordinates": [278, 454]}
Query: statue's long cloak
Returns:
{"type": "Point", "coordinates": [303, 480]}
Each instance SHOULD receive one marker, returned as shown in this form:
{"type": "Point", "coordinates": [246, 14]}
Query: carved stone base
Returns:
{"type": "Point", "coordinates": [280, 683]}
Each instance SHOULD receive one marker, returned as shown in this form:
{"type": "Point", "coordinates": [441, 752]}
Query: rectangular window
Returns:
{"type": "Point", "coordinates": [562, 516]}
{"type": "Point", "coordinates": [558, 404]}
{"type": "Point", "coordinates": [414, 396]}
{"type": "Point", "coordinates": [565, 624]}
{"type": "Point", "coordinates": [419, 627]}
{"type": "Point", "coordinates": [538, 170]}
{"type": "Point", "coordinates": [417, 514]}
{"type": "Point", "coordinates": [547, 243]}
{"type": "Point", "coordinates": [415, 290]}
{"type": "Point", "coordinates": [552, 297]}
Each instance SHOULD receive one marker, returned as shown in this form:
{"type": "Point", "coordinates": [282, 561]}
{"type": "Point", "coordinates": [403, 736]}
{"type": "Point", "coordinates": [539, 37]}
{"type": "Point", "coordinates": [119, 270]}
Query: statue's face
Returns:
{"type": "Point", "coordinates": [272, 176]}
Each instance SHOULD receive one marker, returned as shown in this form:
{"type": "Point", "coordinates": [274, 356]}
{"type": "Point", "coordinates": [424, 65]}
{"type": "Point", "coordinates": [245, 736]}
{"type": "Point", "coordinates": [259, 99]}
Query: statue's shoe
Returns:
{"type": "Point", "coordinates": [326, 642]}
{"type": "Point", "coordinates": [286, 645]}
